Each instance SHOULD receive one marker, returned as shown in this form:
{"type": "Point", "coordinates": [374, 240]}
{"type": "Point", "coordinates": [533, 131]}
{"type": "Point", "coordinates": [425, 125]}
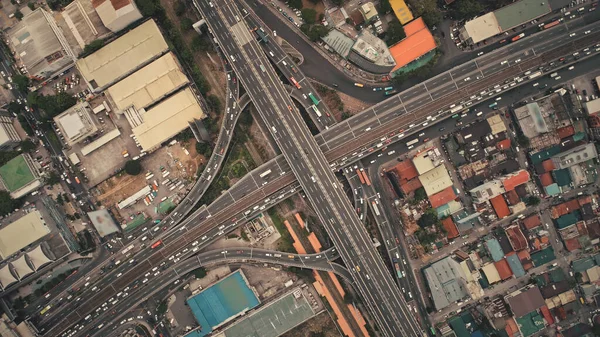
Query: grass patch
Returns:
{"type": "Point", "coordinates": [286, 242]}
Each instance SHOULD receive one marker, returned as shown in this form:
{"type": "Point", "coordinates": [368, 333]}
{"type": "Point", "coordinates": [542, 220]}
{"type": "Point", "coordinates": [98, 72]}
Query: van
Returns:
{"type": "Point", "coordinates": [285, 64]}
{"type": "Point", "coordinates": [479, 113]}
{"type": "Point", "coordinates": [271, 53]}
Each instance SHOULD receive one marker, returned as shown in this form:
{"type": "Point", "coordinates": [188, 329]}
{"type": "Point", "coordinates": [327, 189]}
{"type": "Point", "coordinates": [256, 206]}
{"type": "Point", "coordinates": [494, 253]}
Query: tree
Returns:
{"type": "Point", "coordinates": [14, 107]}
{"type": "Point", "coordinates": [52, 105]}
{"type": "Point", "coordinates": [314, 32]}
{"type": "Point", "coordinates": [532, 201]}
{"type": "Point", "coordinates": [203, 149]}
{"type": "Point", "coordinates": [214, 104]}
{"type": "Point", "coordinates": [384, 7]}
{"type": "Point", "coordinates": [31, 5]}
{"type": "Point", "coordinates": [53, 178]}
{"type": "Point", "coordinates": [60, 200]}
{"type": "Point", "coordinates": [18, 15]}
{"type": "Point", "coordinates": [309, 15]}
{"type": "Point", "coordinates": [420, 194]}
{"type": "Point", "coordinates": [22, 82]}
{"type": "Point", "coordinates": [429, 10]}
{"type": "Point", "coordinates": [466, 9]}
{"type": "Point", "coordinates": [394, 33]}
{"type": "Point", "coordinates": [7, 204]}
{"type": "Point", "coordinates": [428, 219]}
{"type": "Point", "coordinates": [133, 167]}
{"type": "Point", "coordinates": [27, 145]}
{"type": "Point", "coordinates": [180, 8]}
{"type": "Point", "coordinates": [200, 272]}
{"type": "Point", "coordinates": [297, 4]}
{"type": "Point", "coordinates": [25, 125]}
{"type": "Point", "coordinates": [200, 43]}
{"type": "Point", "coordinates": [92, 47]}
{"type": "Point", "coordinates": [186, 24]}
{"type": "Point", "coordinates": [523, 140]}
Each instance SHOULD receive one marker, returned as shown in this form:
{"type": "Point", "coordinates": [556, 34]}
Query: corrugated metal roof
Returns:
{"type": "Point", "coordinates": [491, 273]}
{"type": "Point", "coordinates": [520, 12]}
{"type": "Point", "coordinates": [503, 269]}
{"type": "Point", "coordinates": [495, 250]}
{"type": "Point", "coordinates": [403, 14]}
{"type": "Point", "coordinates": [567, 220]}
{"type": "Point", "coordinates": [546, 179]}
{"type": "Point", "coordinates": [450, 227]}
{"type": "Point", "coordinates": [435, 180]}
{"type": "Point", "coordinates": [500, 206]}
{"type": "Point", "coordinates": [532, 221]}
{"type": "Point", "coordinates": [515, 265]}
{"type": "Point", "coordinates": [515, 179]}
{"type": "Point", "coordinates": [442, 198]}
{"type": "Point", "coordinates": [406, 170]}
{"type": "Point", "coordinates": [525, 301]}
{"type": "Point", "coordinates": [418, 43]}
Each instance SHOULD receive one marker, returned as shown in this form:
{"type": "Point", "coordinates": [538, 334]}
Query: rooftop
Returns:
{"type": "Point", "coordinates": [487, 191]}
{"type": "Point", "coordinates": [401, 11]}
{"type": "Point", "coordinates": [339, 42]}
{"type": "Point", "coordinates": [149, 84]}
{"type": "Point", "coordinates": [373, 49]}
{"type": "Point", "coordinates": [17, 173]}
{"type": "Point", "coordinates": [482, 28]}
{"type": "Point", "coordinates": [491, 273]}
{"type": "Point", "coordinates": [575, 156]}
{"type": "Point", "coordinates": [103, 222]}
{"type": "Point", "coordinates": [512, 180]}
{"type": "Point", "coordinates": [417, 43]}
{"type": "Point", "coordinates": [435, 180]}
{"type": "Point", "coordinates": [446, 281]}
{"type": "Point", "coordinates": [521, 12]}
{"type": "Point", "coordinates": [117, 14]}
{"type": "Point", "coordinates": [123, 56]}
{"type": "Point", "coordinates": [21, 233]}
{"type": "Point", "coordinates": [500, 206]}
{"type": "Point", "coordinates": [443, 197]}
{"type": "Point", "coordinates": [524, 301]}
{"type": "Point", "coordinates": [76, 123]}
{"type": "Point", "coordinates": [532, 221]}
{"type": "Point", "coordinates": [592, 107]}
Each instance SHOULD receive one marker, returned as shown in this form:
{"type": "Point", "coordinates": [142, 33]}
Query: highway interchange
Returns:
{"type": "Point", "coordinates": [265, 191]}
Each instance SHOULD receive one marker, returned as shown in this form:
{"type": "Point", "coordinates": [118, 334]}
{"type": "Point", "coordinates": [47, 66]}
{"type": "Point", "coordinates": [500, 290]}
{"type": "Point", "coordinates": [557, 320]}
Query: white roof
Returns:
{"type": "Point", "coordinates": [167, 119]}
{"type": "Point", "coordinates": [6, 278]}
{"type": "Point", "coordinates": [21, 233]}
{"type": "Point", "coordinates": [38, 258]}
{"type": "Point", "coordinates": [483, 27]}
{"type": "Point", "coordinates": [435, 180]}
{"type": "Point", "coordinates": [21, 267]}
{"type": "Point", "coordinates": [72, 125]}
{"type": "Point", "coordinates": [149, 84]}
{"type": "Point", "coordinates": [592, 107]}
{"type": "Point", "coordinates": [491, 273]}
{"type": "Point", "coordinates": [123, 55]}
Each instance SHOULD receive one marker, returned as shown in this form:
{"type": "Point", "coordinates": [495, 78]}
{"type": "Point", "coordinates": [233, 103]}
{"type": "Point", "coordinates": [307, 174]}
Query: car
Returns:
{"type": "Point", "coordinates": [480, 53]}
{"type": "Point", "coordinates": [442, 129]}
{"type": "Point", "coordinates": [422, 134]}
{"type": "Point", "coordinates": [587, 32]}
{"type": "Point", "coordinates": [571, 67]}
{"type": "Point", "coordinates": [572, 34]}
{"type": "Point", "coordinates": [467, 79]}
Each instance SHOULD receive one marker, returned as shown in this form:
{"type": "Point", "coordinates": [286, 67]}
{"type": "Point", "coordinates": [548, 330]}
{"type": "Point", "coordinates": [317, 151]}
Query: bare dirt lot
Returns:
{"type": "Point", "coordinates": [321, 323]}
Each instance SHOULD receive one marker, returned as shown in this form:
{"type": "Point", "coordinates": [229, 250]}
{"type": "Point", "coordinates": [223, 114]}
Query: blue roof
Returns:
{"type": "Point", "coordinates": [477, 333]}
{"type": "Point", "coordinates": [515, 265]}
{"type": "Point", "coordinates": [495, 250]}
{"type": "Point", "coordinates": [552, 189]}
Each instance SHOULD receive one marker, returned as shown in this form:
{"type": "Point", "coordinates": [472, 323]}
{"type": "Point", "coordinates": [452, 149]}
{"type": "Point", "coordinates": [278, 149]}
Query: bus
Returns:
{"type": "Point", "coordinates": [313, 98]}
{"type": "Point", "coordinates": [367, 181]}
{"type": "Point", "coordinates": [390, 92]}
{"type": "Point", "coordinates": [295, 83]}
{"type": "Point", "coordinates": [263, 68]}
{"type": "Point", "coordinates": [550, 25]}
{"type": "Point", "coordinates": [518, 37]}
{"type": "Point", "coordinates": [412, 142]}
{"type": "Point", "coordinates": [388, 88]}
{"type": "Point", "coordinates": [128, 249]}
{"type": "Point", "coordinates": [455, 116]}
{"type": "Point", "coordinates": [262, 35]}
{"type": "Point", "coordinates": [360, 85]}
{"type": "Point", "coordinates": [536, 74]}
{"type": "Point", "coordinates": [362, 180]}
{"type": "Point", "coordinates": [317, 111]}
{"type": "Point", "coordinates": [375, 208]}
{"type": "Point", "coordinates": [156, 244]}
{"type": "Point", "coordinates": [493, 105]}
{"type": "Point", "coordinates": [456, 109]}
{"type": "Point", "coordinates": [45, 310]}
{"type": "Point", "coordinates": [264, 174]}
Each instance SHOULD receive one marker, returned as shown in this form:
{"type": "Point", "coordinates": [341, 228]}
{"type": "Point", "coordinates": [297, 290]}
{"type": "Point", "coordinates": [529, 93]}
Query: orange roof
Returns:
{"type": "Point", "coordinates": [299, 219]}
{"type": "Point", "coordinates": [500, 206]}
{"type": "Point", "coordinates": [410, 186]}
{"type": "Point", "coordinates": [566, 131]}
{"type": "Point", "coordinates": [572, 244]}
{"type": "Point", "coordinates": [547, 315]}
{"type": "Point", "coordinates": [525, 259]}
{"type": "Point", "coordinates": [511, 327]}
{"type": "Point", "coordinates": [360, 320]}
{"type": "Point", "coordinates": [417, 43]}
{"type": "Point", "coordinates": [297, 244]}
{"type": "Point", "coordinates": [544, 239]}
{"type": "Point", "coordinates": [314, 242]}
{"type": "Point", "coordinates": [503, 269]}
{"type": "Point", "coordinates": [532, 221]}
{"type": "Point", "coordinates": [564, 208]}
{"type": "Point", "coordinates": [442, 198]}
{"type": "Point", "coordinates": [546, 179]}
{"type": "Point", "coordinates": [516, 238]}
{"type": "Point", "coordinates": [337, 283]}
{"type": "Point", "coordinates": [548, 165]}
{"type": "Point", "coordinates": [515, 179]}
{"type": "Point", "coordinates": [503, 144]}
{"type": "Point", "coordinates": [406, 170]}
{"type": "Point", "coordinates": [512, 197]}
{"type": "Point", "coordinates": [450, 228]}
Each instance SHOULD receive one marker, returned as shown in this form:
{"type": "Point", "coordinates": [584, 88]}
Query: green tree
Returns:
{"type": "Point", "coordinates": [60, 200]}
{"type": "Point", "coordinates": [523, 140]}
{"type": "Point", "coordinates": [200, 272]}
{"type": "Point", "coordinates": [420, 194]}
{"type": "Point", "coordinates": [14, 107]}
{"type": "Point", "coordinates": [337, 2]}
{"type": "Point", "coordinates": [186, 24]}
{"type": "Point", "coordinates": [297, 4]}
{"type": "Point", "coordinates": [180, 8]}
{"type": "Point", "coordinates": [429, 219]}
{"type": "Point", "coordinates": [578, 277]}
{"type": "Point", "coordinates": [18, 15]}
{"type": "Point", "coordinates": [52, 105]}
{"type": "Point", "coordinates": [309, 15]}
{"type": "Point", "coordinates": [466, 9]}
{"type": "Point", "coordinates": [6, 156]}
{"type": "Point", "coordinates": [7, 204]}
{"type": "Point", "coordinates": [429, 10]}
{"type": "Point", "coordinates": [201, 43]}
{"type": "Point", "coordinates": [53, 178]}
{"type": "Point", "coordinates": [314, 32]}
{"type": "Point", "coordinates": [25, 125]}
{"type": "Point", "coordinates": [204, 149]}
{"type": "Point", "coordinates": [385, 7]}
{"type": "Point", "coordinates": [214, 104]}
{"type": "Point", "coordinates": [395, 32]}
{"type": "Point", "coordinates": [27, 145]}
{"type": "Point", "coordinates": [532, 201]}
{"type": "Point", "coordinates": [22, 82]}
{"type": "Point", "coordinates": [92, 47]}
{"type": "Point", "coordinates": [133, 167]}
{"type": "Point", "coordinates": [31, 5]}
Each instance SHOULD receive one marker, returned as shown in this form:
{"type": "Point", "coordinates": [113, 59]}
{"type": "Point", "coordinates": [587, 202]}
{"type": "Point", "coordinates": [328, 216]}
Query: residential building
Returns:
{"type": "Point", "coordinates": [9, 138]}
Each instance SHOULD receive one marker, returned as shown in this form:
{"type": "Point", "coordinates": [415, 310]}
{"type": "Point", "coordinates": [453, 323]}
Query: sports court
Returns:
{"type": "Point", "coordinates": [274, 319]}
{"type": "Point", "coordinates": [221, 302]}
{"type": "Point", "coordinates": [16, 174]}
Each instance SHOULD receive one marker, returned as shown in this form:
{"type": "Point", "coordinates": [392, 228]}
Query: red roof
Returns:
{"type": "Point", "coordinates": [512, 197]}
{"type": "Point", "coordinates": [503, 144]}
{"type": "Point", "coordinates": [503, 269]}
{"type": "Point", "coordinates": [572, 244]}
{"type": "Point", "coordinates": [406, 170]}
{"type": "Point", "coordinates": [565, 132]}
{"type": "Point", "coordinates": [525, 259]}
{"type": "Point", "coordinates": [410, 186]}
{"type": "Point", "coordinates": [515, 179]}
{"type": "Point", "coordinates": [418, 42]}
{"type": "Point", "coordinates": [532, 221]}
{"type": "Point", "coordinates": [547, 315]}
{"type": "Point", "coordinates": [548, 165]}
{"type": "Point", "coordinates": [500, 206]}
{"type": "Point", "coordinates": [450, 228]}
{"type": "Point", "coordinates": [442, 198]}
{"type": "Point", "coordinates": [546, 179]}
{"type": "Point", "coordinates": [516, 238]}
{"type": "Point", "coordinates": [564, 208]}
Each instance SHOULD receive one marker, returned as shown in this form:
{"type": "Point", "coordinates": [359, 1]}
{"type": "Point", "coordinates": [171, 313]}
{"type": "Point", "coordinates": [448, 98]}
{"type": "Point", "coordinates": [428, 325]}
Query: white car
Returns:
{"type": "Point", "coordinates": [480, 53]}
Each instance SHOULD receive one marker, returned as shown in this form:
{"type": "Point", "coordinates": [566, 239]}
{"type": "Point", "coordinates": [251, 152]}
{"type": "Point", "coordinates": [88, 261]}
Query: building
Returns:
{"type": "Point", "coordinates": [574, 156]}
{"type": "Point", "coordinates": [401, 11]}
{"type": "Point", "coordinates": [446, 280]}
{"type": "Point", "coordinates": [9, 138]}
{"type": "Point", "coordinates": [512, 180]}
{"type": "Point", "coordinates": [485, 192]}
{"type": "Point", "coordinates": [416, 49]}
{"type": "Point", "coordinates": [502, 20]}
{"type": "Point", "coordinates": [123, 56]}
{"type": "Point", "coordinates": [22, 233]}
{"type": "Point", "coordinates": [40, 46]}
{"type": "Point", "coordinates": [164, 120]}
{"type": "Point", "coordinates": [592, 107]}
{"type": "Point", "coordinates": [20, 176]}
{"type": "Point", "coordinates": [148, 85]}
{"type": "Point", "coordinates": [371, 53]}
{"type": "Point", "coordinates": [531, 120]}
{"type": "Point", "coordinates": [76, 123]}
{"type": "Point", "coordinates": [338, 42]}
{"type": "Point", "coordinates": [117, 14]}
{"type": "Point", "coordinates": [103, 222]}
{"type": "Point", "coordinates": [435, 180]}
{"type": "Point", "coordinates": [369, 12]}
{"type": "Point", "coordinates": [81, 25]}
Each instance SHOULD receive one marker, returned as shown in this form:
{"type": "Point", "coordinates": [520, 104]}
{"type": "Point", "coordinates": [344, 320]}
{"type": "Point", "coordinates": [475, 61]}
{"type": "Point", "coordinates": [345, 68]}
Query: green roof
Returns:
{"type": "Point", "coordinates": [459, 327]}
{"type": "Point", "coordinates": [567, 220]}
{"type": "Point", "coordinates": [16, 173]}
{"type": "Point", "coordinates": [531, 323]}
{"type": "Point", "coordinates": [557, 275]}
{"type": "Point", "coordinates": [562, 177]}
{"type": "Point", "coordinates": [539, 157]}
{"type": "Point", "coordinates": [543, 256]}
{"type": "Point", "coordinates": [521, 12]}
{"type": "Point", "coordinates": [582, 265]}
{"type": "Point", "coordinates": [552, 189]}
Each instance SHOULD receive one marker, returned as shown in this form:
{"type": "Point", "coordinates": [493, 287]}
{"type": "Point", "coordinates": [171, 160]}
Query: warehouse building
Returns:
{"type": "Point", "coordinates": [22, 233]}
{"type": "Point", "coordinates": [123, 56]}
{"type": "Point", "coordinates": [446, 280]}
{"type": "Point", "coordinates": [81, 25]}
{"type": "Point", "coordinates": [76, 123]}
{"type": "Point", "coordinates": [117, 14]}
{"type": "Point", "coordinates": [435, 180]}
{"type": "Point", "coordinates": [415, 50]}
{"type": "Point", "coordinates": [9, 138]}
{"type": "Point", "coordinates": [40, 46]}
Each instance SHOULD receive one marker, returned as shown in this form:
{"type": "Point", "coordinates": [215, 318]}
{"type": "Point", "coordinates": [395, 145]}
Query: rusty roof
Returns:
{"type": "Point", "coordinates": [515, 179]}
{"type": "Point", "coordinates": [516, 237]}
{"type": "Point", "coordinates": [442, 198]}
{"type": "Point", "coordinates": [406, 170]}
{"type": "Point", "coordinates": [411, 186]}
{"type": "Point", "coordinates": [450, 227]}
{"type": "Point", "coordinates": [500, 206]}
{"type": "Point", "coordinates": [532, 221]}
{"type": "Point", "coordinates": [548, 165]}
{"type": "Point", "coordinates": [565, 131]}
{"type": "Point", "coordinates": [546, 179]}
{"type": "Point", "coordinates": [503, 269]}
{"type": "Point", "coordinates": [565, 208]}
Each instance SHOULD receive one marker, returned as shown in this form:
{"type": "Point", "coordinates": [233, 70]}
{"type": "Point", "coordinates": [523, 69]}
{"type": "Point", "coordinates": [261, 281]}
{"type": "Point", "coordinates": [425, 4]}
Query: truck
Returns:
{"type": "Point", "coordinates": [375, 208]}
{"type": "Point", "coordinates": [550, 25]}
{"type": "Point", "coordinates": [518, 37]}
{"type": "Point", "coordinates": [398, 271]}
{"type": "Point", "coordinates": [534, 75]}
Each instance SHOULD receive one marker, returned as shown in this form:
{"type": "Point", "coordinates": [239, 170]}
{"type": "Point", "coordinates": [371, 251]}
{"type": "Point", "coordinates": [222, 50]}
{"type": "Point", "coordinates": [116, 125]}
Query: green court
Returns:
{"type": "Point", "coordinates": [16, 173]}
{"type": "Point", "coordinates": [137, 221]}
